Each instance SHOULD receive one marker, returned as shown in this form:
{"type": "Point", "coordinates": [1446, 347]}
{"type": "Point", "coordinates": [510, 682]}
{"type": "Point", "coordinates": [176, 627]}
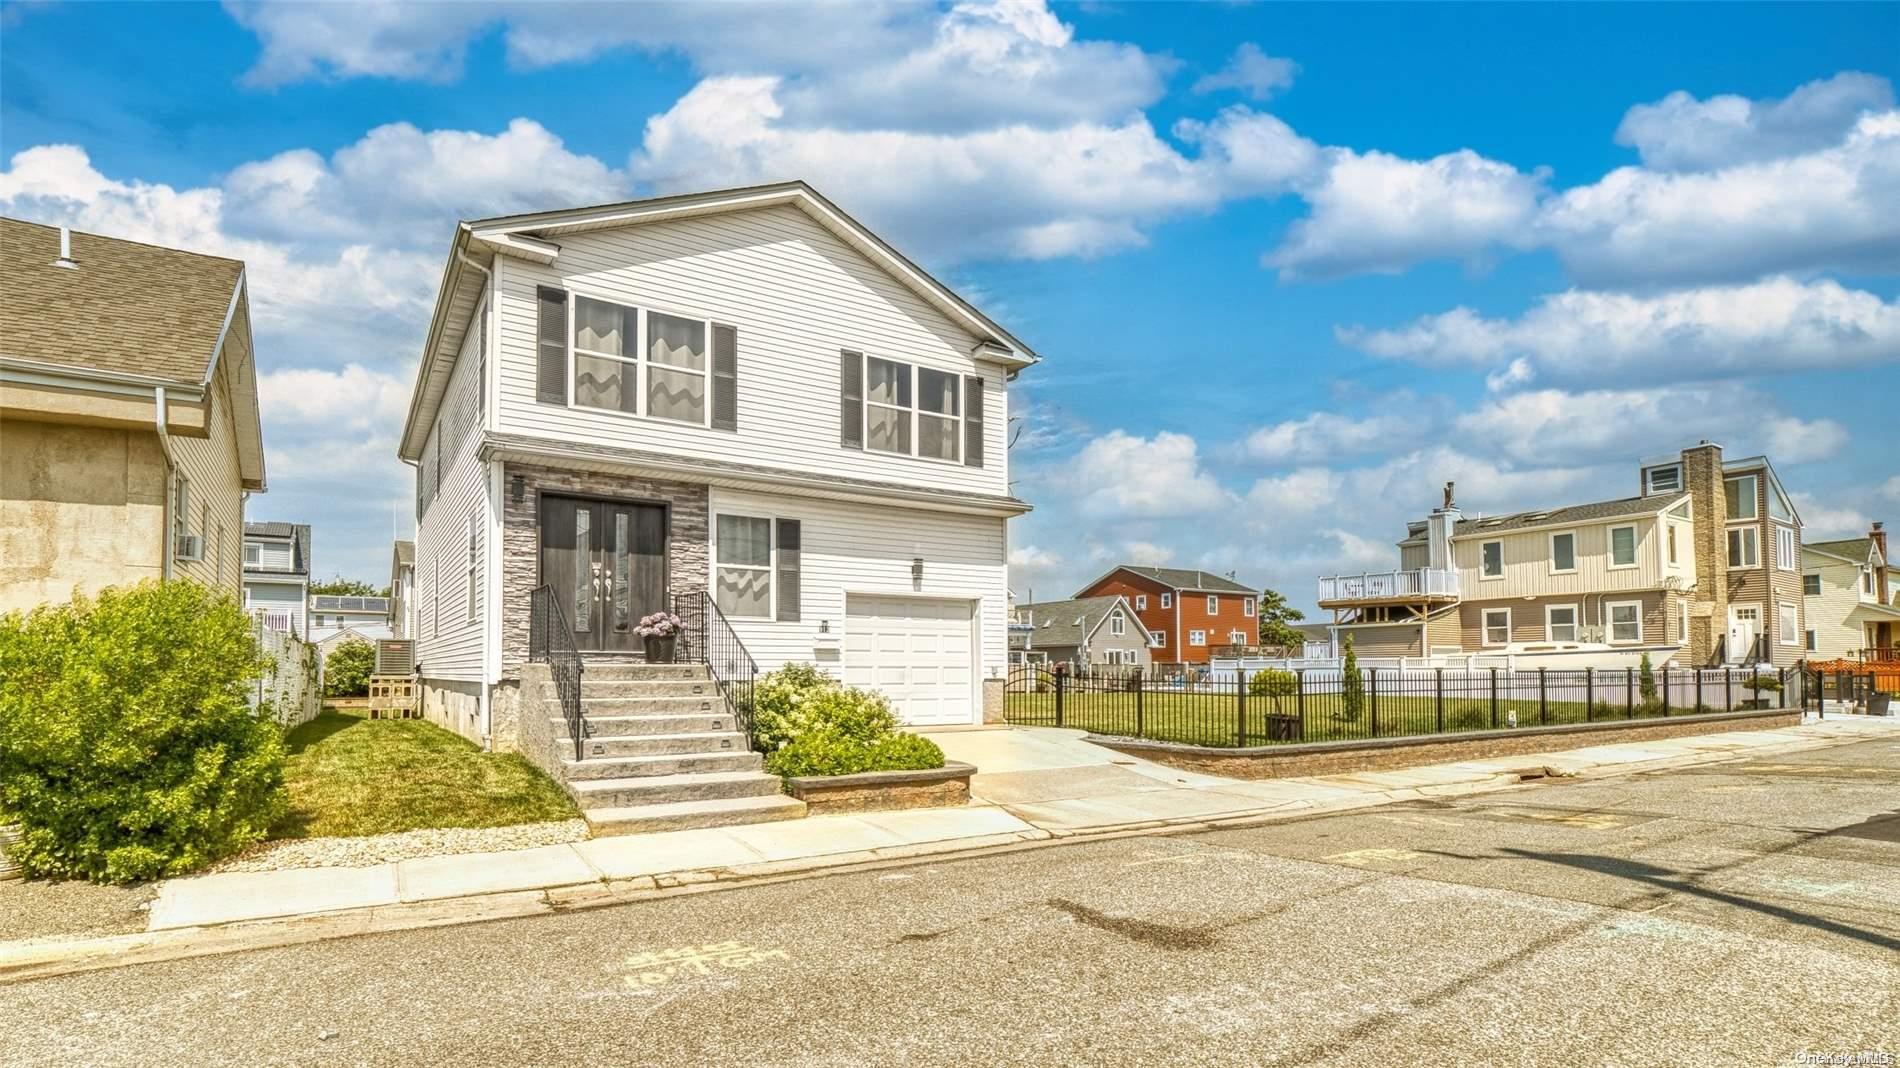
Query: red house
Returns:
{"type": "Point", "coordinates": [1188, 613]}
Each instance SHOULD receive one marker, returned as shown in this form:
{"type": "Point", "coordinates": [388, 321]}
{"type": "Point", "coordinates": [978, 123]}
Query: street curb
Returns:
{"type": "Point", "coordinates": [32, 959]}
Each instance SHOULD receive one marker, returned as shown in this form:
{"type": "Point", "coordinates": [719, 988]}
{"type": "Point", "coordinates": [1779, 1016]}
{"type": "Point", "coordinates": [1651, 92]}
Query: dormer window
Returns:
{"type": "Point", "coordinates": [1664, 479]}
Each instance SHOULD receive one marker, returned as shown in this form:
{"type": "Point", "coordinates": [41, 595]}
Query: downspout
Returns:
{"type": "Point", "coordinates": [159, 416]}
{"type": "Point", "coordinates": [490, 673]}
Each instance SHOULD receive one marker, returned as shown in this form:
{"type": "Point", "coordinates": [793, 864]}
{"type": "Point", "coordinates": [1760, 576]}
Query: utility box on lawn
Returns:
{"type": "Point", "coordinates": [392, 686]}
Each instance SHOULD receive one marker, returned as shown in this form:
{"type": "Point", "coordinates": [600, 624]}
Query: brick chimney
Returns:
{"type": "Point", "coordinates": [1708, 614]}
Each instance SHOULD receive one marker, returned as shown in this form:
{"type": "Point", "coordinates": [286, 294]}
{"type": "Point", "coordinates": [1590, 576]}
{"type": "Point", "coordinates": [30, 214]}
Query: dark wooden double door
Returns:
{"type": "Point", "coordinates": [606, 562]}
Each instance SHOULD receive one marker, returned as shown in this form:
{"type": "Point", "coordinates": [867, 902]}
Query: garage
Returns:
{"type": "Point", "coordinates": [917, 651]}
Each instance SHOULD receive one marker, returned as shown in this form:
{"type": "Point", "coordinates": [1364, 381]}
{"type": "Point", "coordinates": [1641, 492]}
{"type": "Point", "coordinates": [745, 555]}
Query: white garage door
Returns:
{"type": "Point", "coordinates": [915, 651]}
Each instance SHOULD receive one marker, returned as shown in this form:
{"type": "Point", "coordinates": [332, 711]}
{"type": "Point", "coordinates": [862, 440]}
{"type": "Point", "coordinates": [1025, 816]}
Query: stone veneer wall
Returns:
{"type": "Point", "coordinates": [1708, 498]}
{"type": "Point", "coordinates": [687, 538]}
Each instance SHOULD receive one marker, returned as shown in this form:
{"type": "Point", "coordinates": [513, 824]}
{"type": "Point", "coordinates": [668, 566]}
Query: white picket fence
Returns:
{"type": "Point", "coordinates": [292, 684]}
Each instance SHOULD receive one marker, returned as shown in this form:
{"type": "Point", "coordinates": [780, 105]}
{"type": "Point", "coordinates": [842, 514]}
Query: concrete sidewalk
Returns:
{"type": "Point", "coordinates": [1037, 783]}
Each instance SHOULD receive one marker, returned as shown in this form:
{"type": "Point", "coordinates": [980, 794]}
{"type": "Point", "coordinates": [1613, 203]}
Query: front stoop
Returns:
{"type": "Point", "coordinates": [661, 752]}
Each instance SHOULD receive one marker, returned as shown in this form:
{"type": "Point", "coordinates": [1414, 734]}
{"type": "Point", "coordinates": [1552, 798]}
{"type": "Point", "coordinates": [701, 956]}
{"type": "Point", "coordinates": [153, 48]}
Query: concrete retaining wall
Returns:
{"type": "Point", "coordinates": [831, 794]}
{"type": "Point", "coordinates": [1334, 758]}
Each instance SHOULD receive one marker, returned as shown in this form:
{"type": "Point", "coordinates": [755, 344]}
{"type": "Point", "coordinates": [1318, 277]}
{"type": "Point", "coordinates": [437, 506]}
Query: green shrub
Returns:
{"type": "Point", "coordinates": [1469, 718]}
{"type": "Point", "coordinates": [1646, 680]}
{"type": "Point", "coordinates": [347, 669]}
{"type": "Point", "coordinates": [831, 752]}
{"type": "Point", "coordinates": [798, 699]}
{"type": "Point", "coordinates": [126, 748]}
{"type": "Point", "coordinates": [1352, 687]}
{"type": "Point", "coordinates": [1758, 683]}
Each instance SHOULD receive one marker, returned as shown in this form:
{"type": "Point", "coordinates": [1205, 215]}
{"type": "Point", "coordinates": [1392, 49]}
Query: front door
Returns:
{"type": "Point", "coordinates": [606, 561]}
{"type": "Point", "coordinates": [1744, 623]}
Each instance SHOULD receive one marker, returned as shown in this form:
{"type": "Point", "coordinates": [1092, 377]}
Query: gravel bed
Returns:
{"type": "Point", "coordinates": [383, 848]}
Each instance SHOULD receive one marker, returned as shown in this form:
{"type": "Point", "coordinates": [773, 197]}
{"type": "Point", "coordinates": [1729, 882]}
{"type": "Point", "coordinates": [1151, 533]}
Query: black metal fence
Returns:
{"type": "Point", "coordinates": [706, 638]}
{"type": "Point", "coordinates": [1315, 705]}
{"type": "Point", "coordinates": [551, 640]}
{"type": "Point", "coordinates": [1843, 691]}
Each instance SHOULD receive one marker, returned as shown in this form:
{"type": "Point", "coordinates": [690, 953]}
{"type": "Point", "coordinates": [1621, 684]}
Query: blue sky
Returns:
{"type": "Point", "coordinates": [1291, 267]}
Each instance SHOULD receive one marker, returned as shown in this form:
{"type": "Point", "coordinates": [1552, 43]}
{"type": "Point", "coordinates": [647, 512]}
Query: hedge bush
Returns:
{"type": "Point", "coordinates": [126, 749]}
{"type": "Point", "coordinates": [347, 669]}
{"type": "Point", "coordinates": [809, 724]}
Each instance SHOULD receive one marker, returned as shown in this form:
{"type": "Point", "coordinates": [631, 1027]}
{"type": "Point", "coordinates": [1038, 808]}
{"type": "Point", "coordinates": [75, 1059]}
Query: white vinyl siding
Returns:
{"type": "Point", "coordinates": [865, 551]}
{"type": "Point", "coordinates": [451, 643]}
{"type": "Point", "coordinates": [1527, 564]}
{"type": "Point", "coordinates": [796, 294]}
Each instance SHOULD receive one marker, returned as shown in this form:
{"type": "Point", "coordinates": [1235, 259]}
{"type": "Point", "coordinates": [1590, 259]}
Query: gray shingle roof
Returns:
{"type": "Point", "coordinates": [1855, 549]}
{"type": "Point", "coordinates": [1061, 624]}
{"type": "Point", "coordinates": [162, 309]}
{"type": "Point", "coordinates": [1187, 579]}
{"type": "Point", "coordinates": [299, 535]}
{"type": "Point", "coordinates": [1575, 513]}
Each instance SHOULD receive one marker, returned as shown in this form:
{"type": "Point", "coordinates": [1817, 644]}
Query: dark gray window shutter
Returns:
{"type": "Point", "coordinates": [851, 399]}
{"type": "Point", "coordinates": [972, 421]}
{"type": "Point", "coordinates": [550, 373]}
{"type": "Point", "coordinates": [787, 534]}
{"type": "Point", "coordinates": [725, 377]}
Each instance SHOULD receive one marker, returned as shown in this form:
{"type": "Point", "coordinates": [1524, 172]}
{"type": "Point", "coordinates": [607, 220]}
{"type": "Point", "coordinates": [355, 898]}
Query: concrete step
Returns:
{"type": "Point", "coordinates": [592, 687]}
{"type": "Point", "coordinates": [659, 744]}
{"type": "Point", "coordinates": [661, 789]}
{"type": "Point", "coordinates": [687, 815]}
{"type": "Point", "coordinates": [659, 765]}
{"type": "Point", "coordinates": [634, 671]}
{"type": "Point", "coordinates": [629, 725]}
{"type": "Point", "coordinates": [651, 705]}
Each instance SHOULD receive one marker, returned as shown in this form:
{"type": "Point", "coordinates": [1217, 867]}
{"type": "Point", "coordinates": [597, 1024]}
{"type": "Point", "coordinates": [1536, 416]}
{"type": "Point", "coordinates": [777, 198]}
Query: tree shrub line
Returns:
{"type": "Point", "coordinates": [808, 723]}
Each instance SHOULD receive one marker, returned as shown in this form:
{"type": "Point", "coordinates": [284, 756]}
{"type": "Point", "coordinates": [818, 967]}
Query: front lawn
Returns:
{"type": "Point", "coordinates": [350, 776]}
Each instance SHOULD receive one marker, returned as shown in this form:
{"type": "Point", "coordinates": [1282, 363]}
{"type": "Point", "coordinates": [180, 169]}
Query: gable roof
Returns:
{"type": "Point", "coordinates": [1179, 578]}
{"type": "Point", "coordinates": [1855, 549]}
{"type": "Point", "coordinates": [1061, 624]}
{"type": "Point", "coordinates": [171, 316]}
{"type": "Point", "coordinates": [298, 534]}
{"type": "Point", "coordinates": [530, 236]}
{"type": "Point", "coordinates": [1596, 511]}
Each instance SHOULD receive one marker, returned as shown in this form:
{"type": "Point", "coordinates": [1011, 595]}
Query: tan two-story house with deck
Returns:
{"type": "Point", "coordinates": [129, 431]}
{"type": "Point", "coordinates": [1700, 567]}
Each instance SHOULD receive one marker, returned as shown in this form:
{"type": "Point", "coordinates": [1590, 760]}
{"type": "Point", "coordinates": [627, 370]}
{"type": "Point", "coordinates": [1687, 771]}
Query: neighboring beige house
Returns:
{"type": "Point", "coordinates": [1088, 632]}
{"type": "Point", "coordinates": [129, 433]}
{"type": "Point", "coordinates": [1702, 567]}
{"type": "Point", "coordinates": [1844, 585]}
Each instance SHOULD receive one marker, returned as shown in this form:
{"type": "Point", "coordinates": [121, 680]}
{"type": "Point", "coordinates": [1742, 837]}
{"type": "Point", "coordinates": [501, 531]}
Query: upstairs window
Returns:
{"type": "Point", "coordinates": [676, 368]}
{"type": "Point", "coordinates": [939, 414]}
{"type": "Point", "coordinates": [253, 554]}
{"type": "Point", "coordinates": [1117, 625]}
{"type": "Point", "coordinates": [1213, 604]}
{"type": "Point", "coordinates": [1672, 542]}
{"type": "Point", "coordinates": [887, 408]}
{"type": "Point", "coordinates": [1159, 638]}
{"type": "Point", "coordinates": [1743, 547]}
{"type": "Point", "coordinates": [1784, 548]}
{"type": "Point", "coordinates": [1810, 585]}
{"type": "Point", "coordinates": [1167, 600]}
{"type": "Point", "coordinates": [1141, 602]}
{"type": "Point", "coordinates": [1491, 560]}
{"type": "Point", "coordinates": [1197, 637]}
{"type": "Point", "coordinates": [1563, 552]}
{"type": "Point", "coordinates": [610, 374]}
{"type": "Point", "coordinates": [1665, 479]}
{"type": "Point", "coordinates": [1622, 546]}
{"type": "Point", "coordinates": [1742, 497]}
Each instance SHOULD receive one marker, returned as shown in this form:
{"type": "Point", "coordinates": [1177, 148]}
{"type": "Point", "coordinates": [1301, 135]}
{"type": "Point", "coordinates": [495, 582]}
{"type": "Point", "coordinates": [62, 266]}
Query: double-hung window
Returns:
{"type": "Point", "coordinates": [1236, 637]}
{"type": "Point", "coordinates": [1246, 607]}
{"type": "Point", "coordinates": [1784, 548]}
{"type": "Point", "coordinates": [1497, 626]}
{"type": "Point", "coordinates": [1491, 560]}
{"type": "Point", "coordinates": [1560, 623]}
{"type": "Point", "coordinates": [1167, 600]}
{"type": "Point", "coordinates": [610, 373]}
{"type": "Point", "coordinates": [1117, 625]}
{"type": "Point", "coordinates": [1563, 553]}
{"type": "Point", "coordinates": [1197, 637]}
{"type": "Point", "coordinates": [1743, 547]}
{"type": "Point", "coordinates": [253, 554]}
{"type": "Point", "coordinates": [887, 406]}
{"type": "Point", "coordinates": [1787, 628]}
{"type": "Point", "coordinates": [1626, 621]}
{"type": "Point", "coordinates": [743, 582]}
{"type": "Point", "coordinates": [1622, 547]}
{"type": "Point", "coordinates": [1811, 585]}
{"type": "Point", "coordinates": [1213, 604]}
{"type": "Point", "coordinates": [1159, 638]}
{"type": "Point", "coordinates": [939, 415]}
{"type": "Point", "coordinates": [1141, 602]}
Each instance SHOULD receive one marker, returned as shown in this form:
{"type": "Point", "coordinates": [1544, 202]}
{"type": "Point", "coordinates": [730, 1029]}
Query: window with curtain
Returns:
{"type": "Point", "coordinates": [743, 546]}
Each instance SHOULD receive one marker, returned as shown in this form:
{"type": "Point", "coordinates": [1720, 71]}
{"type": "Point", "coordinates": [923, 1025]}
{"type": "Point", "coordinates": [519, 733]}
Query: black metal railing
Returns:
{"type": "Point", "coordinates": [551, 641]}
{"type": "Point", "coordinates": [707, 638]}
{"type": "Point", "coordinates": [1318, 705]}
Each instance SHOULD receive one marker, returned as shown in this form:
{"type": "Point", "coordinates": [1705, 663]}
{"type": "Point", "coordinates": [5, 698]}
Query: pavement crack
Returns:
{"type": "Point", "coordinates": [1146, 932]}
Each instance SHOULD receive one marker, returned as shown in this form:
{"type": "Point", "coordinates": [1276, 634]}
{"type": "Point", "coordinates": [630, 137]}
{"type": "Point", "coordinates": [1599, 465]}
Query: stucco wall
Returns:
{"type": "Point", "coordinates": [80, 507]}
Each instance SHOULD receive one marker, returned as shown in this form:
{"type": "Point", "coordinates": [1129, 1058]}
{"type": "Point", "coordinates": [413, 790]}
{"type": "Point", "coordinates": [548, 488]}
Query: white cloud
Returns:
{"type": "Point", "coordinates": [1306, 490]}
{"type": "Point", "coordinates": [1820, 521]}
{"type": "Point", "coordinates": [1251, 71]}
{"type": "Point", "coordinates": [1775, 325]}
{"type": "Point", "coordinates": [1682, 133]}
{"type": "Point", "coordinates": [353, 397]}
{"type": "Point", "coordinates": [1019, 190]}
{"type": "Point", "coordinates": [1602, 424]}
{"type": "Point", "coordinates": [1120, 475]}
{"type": "Point", "coordinates": [1379, 213]}
{"type": "Point", "coordinates": [1828, 208]}
{"type": "Point", "coordinates": [1891, 490]}
{"type": "Point", "coordinates": [1356, 551]}
{"type": "Point", "coordinates": [1322, 436]}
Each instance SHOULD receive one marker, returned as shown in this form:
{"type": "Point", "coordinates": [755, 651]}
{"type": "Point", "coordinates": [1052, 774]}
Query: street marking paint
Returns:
{"type": "Point", "coordinates": [1419, 821]}
{"type": "Point", "coordinates": [1594, 821]}
{"type": "Point", "coordinates": [1191, 859]}
{"type": "Point", "coordinates": [660, 967]}
{"type": "Point", "coordinates": [1360, 858]}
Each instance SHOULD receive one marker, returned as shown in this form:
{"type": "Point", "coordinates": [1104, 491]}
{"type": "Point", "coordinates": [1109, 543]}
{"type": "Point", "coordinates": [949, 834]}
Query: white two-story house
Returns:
{"type": "Point", "coordinates": [742, 406]}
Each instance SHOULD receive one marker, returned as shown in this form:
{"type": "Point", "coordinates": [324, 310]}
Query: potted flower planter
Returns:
{"type": "Point", "coordinates": [659, 632]}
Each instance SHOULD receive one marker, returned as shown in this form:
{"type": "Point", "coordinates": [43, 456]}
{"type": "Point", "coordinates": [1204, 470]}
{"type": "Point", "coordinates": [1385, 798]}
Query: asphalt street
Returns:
{"type": "Point", "coordinates": [1740, 913]}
